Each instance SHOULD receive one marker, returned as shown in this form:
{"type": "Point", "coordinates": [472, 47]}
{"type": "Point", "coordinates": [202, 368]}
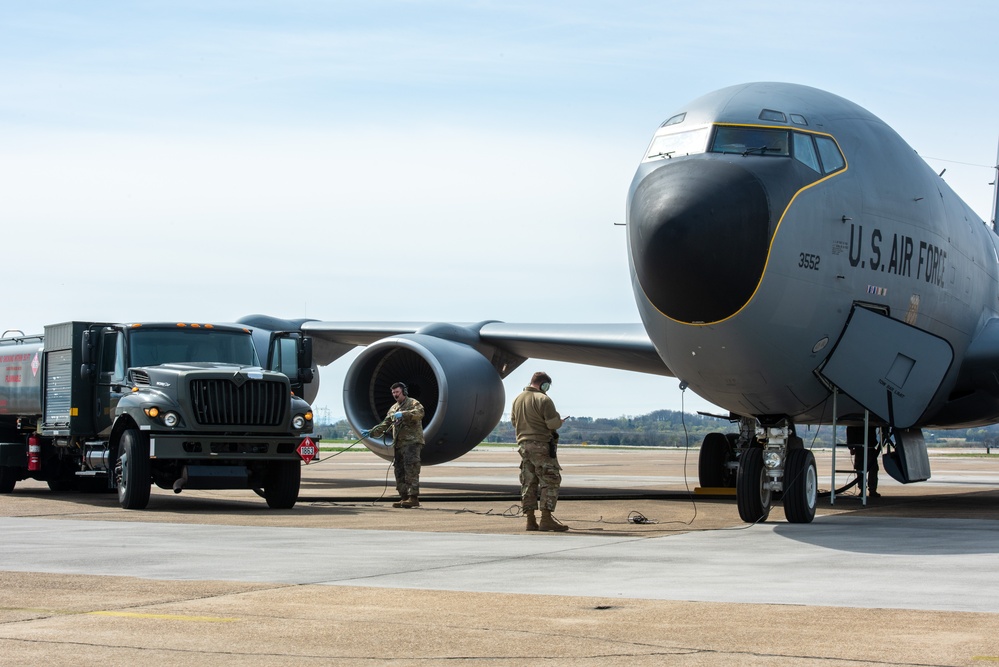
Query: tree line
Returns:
{"type": "Point", "coordinates": [669, 428]}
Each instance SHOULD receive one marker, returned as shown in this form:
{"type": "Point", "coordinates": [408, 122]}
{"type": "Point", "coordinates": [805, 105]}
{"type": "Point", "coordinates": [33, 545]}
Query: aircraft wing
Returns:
{"type": "Point", "coordinates": [620, 346]}
{"type": "Point", "coordinates": [455, 370]}
{"type": "Point", "coordinates": [332, 340]}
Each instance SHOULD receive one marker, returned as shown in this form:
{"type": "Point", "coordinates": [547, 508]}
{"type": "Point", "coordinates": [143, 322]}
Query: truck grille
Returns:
{"type": "Point", "coordinates": [223, 403]}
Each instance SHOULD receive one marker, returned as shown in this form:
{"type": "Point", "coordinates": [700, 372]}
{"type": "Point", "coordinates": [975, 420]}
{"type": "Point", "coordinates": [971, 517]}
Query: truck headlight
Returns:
{"type": "Point", "coordinates": [302, 421]}
{"type": "Point", "coordinates": [171, 419]}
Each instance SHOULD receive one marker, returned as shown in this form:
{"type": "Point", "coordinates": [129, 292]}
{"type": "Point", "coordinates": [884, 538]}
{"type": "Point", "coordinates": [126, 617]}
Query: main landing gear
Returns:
{"type": "Point", "coordinates": [763, 467]}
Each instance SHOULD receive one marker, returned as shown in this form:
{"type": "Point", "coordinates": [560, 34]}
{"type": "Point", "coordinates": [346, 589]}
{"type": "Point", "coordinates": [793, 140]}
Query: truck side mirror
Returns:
{"type": "Point", "coordinates": [86, 356]}
{"type": "Point", "coordinates": [305, 359]}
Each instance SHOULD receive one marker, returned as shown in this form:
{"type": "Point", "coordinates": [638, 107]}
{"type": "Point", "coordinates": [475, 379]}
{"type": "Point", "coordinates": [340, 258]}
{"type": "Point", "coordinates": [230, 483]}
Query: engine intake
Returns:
{"type": "Point", "coordinates": [461, 392]}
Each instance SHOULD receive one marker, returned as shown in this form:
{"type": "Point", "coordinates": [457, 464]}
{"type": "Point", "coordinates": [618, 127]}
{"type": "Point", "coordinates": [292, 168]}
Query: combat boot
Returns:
{"type": "Point", "coordinates": [412, 501]}
{"type": "Point", "coordinates": [550, 524]}
{"type": "Point", "coordinates": [532, 521]}
{"type": "Point", "coordinates": [399, 503]}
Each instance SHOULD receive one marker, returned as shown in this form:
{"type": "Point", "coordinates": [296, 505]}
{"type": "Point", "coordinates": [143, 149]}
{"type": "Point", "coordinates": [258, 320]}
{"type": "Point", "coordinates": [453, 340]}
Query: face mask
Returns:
{"type": "Point", "coordinates": [545, 386]}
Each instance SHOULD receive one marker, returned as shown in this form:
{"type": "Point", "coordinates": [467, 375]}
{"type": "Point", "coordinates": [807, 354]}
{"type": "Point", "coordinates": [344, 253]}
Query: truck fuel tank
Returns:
{"type": "Point", "coordinates": [21, 376]}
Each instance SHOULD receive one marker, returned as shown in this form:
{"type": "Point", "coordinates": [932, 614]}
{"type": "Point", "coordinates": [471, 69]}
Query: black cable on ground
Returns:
{"type": "Point", "coordinates": [686, 451]}
{"type": "Point", "coordinates": [349, 447]}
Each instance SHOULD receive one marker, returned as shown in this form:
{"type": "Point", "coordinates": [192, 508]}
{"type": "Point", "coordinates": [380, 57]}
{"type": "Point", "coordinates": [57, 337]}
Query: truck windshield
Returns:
{"type": "Point", "coordinates": [152, 347]}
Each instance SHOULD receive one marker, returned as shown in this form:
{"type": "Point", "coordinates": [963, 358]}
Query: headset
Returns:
{"type": "Point", "coordinates": [402, 385]}
{"type": "Point", "coordinates": [545, 379]}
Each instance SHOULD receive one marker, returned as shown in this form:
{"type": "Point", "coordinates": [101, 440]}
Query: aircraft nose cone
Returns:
{"type": "Point", "coordinates": [699, 232]}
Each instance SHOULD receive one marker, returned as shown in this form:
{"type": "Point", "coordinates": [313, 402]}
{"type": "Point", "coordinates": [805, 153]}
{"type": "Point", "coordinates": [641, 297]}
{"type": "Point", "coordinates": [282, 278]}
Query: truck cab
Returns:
{"type": "Point", "coordinates": [179, 405]}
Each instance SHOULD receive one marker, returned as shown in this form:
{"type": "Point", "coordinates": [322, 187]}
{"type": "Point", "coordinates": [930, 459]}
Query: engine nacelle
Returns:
{"type": "Point", "coordinates": [460, 390]}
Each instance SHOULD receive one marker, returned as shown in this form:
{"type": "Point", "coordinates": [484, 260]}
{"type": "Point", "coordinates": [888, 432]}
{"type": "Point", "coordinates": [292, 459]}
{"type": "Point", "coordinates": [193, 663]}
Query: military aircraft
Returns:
{"type": "Point", "coordinates": [794, 261]}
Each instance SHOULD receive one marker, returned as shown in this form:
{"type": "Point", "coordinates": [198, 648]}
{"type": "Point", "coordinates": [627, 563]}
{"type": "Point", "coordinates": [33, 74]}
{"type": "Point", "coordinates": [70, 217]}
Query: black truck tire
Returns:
{"type": "Point", "coordinates": [60, 485]}
{"type": "Point", "coordinates": [283, 482]}
{"type": "Point", "coordinates": [8, 477]}
{"type": "Point", "coordinates": [132, 471]}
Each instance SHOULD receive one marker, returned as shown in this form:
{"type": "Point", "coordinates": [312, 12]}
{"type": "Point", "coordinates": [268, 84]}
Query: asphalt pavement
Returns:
{"type": "Point", "coordinates": [650, 572]}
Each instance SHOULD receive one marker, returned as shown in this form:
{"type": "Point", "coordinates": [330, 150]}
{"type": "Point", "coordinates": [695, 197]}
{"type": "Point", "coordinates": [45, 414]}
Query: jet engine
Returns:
{"type": "Point", "coordinates": [460, 390]}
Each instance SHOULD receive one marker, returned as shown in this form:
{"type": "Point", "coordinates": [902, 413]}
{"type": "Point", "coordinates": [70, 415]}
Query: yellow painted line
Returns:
{"type": "Point", "coordinates": [986, 658]}
{"type": "Point", "coordinates": [124, 614]}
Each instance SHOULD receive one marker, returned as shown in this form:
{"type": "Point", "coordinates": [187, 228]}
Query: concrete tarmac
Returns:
{"type": "Point", "coordinates": [649, 573]}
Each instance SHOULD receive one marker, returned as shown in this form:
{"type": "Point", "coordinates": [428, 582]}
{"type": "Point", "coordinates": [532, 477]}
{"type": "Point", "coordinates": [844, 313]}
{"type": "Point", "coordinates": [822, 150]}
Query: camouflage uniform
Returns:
{"type": "Point", "coordinates": [535, 419]}
{"type": "Point", "coordinates": [855, 438]}
{"type": "Point", "coordinates": [407, 436]}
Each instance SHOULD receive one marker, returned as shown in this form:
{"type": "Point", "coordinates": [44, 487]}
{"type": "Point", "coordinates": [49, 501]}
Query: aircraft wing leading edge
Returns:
{"type": "Point", "coordinates": [618, 346]}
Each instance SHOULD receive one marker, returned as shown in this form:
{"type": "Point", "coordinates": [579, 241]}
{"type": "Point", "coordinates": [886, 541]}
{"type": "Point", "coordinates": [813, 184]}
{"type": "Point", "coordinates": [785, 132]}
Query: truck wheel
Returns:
{"type": "Point", "coordinates": [283, 480]}
{"type": "Point", "coordinates": [131, 471]}
{"type": "Point", "coordinates": [63, 476]}
{"type": "Point", "coordinates": [60, 485]}
{"type": "Point", "coordinates": [8, 477]}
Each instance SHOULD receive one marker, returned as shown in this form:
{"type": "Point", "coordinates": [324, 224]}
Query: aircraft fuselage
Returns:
{"type": "Point", "coordinates": [763, 214]}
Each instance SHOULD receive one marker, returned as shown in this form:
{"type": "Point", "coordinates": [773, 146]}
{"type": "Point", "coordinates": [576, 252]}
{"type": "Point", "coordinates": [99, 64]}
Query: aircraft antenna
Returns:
{"type": "Point", "coordinates": [995, 192]}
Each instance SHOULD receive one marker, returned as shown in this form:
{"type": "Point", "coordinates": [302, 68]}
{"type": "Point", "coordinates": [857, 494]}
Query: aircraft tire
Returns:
{"type": "Point", "coordinates": [801, 486]}
{"type": "Point", "coordinates": [715, 453]}
{"type": "Point", "coordinates": [751, 496]}
{"type": "Point", "coordinates": [8, 478]}
{"type": "Point", "coordinates": [132, 471]}
{"type": "Point", "coordinates": [283, 482]}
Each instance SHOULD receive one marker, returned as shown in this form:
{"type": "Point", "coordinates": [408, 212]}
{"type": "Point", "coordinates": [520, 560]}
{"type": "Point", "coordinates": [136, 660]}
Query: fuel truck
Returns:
{"type": "Point", "coordinates": [120, 407]}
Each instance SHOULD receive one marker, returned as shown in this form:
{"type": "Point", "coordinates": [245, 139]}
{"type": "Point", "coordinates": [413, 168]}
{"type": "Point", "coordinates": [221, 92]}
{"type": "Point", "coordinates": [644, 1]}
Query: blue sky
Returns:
{"type": "Point", "coordinates": [454, 161]}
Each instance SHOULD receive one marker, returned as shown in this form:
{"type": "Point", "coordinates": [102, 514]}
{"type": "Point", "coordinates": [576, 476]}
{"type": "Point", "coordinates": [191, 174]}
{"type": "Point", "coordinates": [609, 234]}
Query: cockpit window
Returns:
{"type": "Point", "coordinates": [674, 120]}
{"type": "Point", "coordinates": [677, 144]}
{"type": "Point", "coordinates": [824, 148]}
{"type": "Point", "coordinates": [832, 159]}
{"type": "Point", "coordinates": [819, 153]}
{"type": "Point", "coordinates": [750, 141]}
{"type": "Point", "coordinates": [804, 151]}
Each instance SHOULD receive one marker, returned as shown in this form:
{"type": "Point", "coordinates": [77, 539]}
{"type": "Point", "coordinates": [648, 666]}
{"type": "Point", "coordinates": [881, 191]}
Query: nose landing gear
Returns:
{"type": "Point", "coordinates": [770, 465]}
